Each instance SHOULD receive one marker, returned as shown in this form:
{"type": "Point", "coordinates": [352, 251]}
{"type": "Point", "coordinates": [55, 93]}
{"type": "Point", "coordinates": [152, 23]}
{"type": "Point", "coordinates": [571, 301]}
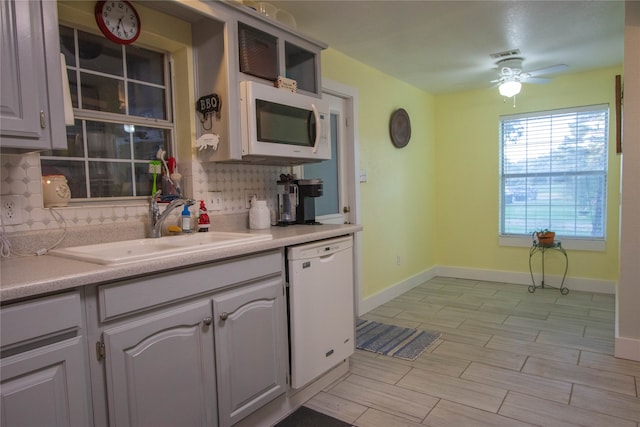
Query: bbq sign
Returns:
{"type": "Point", "coordinates": [208, 104]}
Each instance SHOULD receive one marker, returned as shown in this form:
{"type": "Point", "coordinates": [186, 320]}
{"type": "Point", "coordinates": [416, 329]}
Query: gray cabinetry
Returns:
{"type": "Point", "coordinates": [31, 113]}
{"type": "Point", "coordinates": [158, 361]}
{"type": "Point", "coordinates": [160, 369]}
{"type": "Point", "coordinates": [43, 371]}
{"type": "Point", "coordinates": [251, 347]}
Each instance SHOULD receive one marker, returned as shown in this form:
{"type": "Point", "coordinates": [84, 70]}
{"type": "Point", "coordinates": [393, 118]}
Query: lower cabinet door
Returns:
{"type": "Point", "coordinates": [46, 386]}
{"type": "Point", "coordinates": [251, 348]}
{"type": "Point", "coordinates": [160, 369]}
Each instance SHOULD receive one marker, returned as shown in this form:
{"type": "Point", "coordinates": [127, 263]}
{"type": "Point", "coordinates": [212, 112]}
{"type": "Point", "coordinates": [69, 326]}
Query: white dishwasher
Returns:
{"type": "Point", "coordinates": [321, 308]}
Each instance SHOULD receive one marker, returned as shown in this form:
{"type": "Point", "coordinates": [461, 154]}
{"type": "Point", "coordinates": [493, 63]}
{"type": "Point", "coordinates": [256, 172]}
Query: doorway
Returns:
{"type": "Point", "coordinates": [340, 174]}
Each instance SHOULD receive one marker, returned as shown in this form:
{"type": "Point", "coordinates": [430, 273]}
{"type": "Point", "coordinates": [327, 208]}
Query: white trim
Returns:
{"type": "Point", "coordinates": [567, 243]}
{"type": "Point", "coordinates": [393, 291]}
{"type": "Point", "coordinates": [627, 348]}
{"type": "Point", "coordinates": [350, 96]}
{"type": "Point", "coordinates": [517, 278]}
{"type": "Point", "coordinates": [524, 278]}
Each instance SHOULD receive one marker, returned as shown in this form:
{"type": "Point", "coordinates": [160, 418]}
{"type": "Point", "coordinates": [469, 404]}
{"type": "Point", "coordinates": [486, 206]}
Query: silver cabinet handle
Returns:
{"type": "Point", "coordinates": [224, 316]}
{"type": "Point", "coordinates": [207, 321]}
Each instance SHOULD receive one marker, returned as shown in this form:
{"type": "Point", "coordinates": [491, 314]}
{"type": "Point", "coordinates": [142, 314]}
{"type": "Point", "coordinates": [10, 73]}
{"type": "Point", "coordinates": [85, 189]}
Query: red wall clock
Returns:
{"type": "Point", "coordinates": [118, 21]}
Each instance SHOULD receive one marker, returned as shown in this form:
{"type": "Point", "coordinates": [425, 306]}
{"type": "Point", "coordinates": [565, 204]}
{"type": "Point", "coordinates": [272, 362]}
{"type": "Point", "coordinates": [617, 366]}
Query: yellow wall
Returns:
{"type": "Point", "coordinates": [397, 201]}
{"type": "Point", "coordinates": [435, 202]}
{"type": "Point", "coordinates": [467, 173]}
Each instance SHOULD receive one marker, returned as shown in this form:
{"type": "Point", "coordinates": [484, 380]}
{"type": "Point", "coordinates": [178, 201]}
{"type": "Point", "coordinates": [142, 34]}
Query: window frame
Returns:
{"type": "Point", "coordinates": [88, 115]}
{"type": "Point", "coordinates": [569, 242]}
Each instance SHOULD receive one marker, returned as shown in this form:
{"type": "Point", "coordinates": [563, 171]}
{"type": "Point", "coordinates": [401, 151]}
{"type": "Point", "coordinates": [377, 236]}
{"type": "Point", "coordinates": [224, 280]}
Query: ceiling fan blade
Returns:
{"type": "Point", "coordinates": [547, 70]}
{"type": "Point", "coordinates": [536, 80]}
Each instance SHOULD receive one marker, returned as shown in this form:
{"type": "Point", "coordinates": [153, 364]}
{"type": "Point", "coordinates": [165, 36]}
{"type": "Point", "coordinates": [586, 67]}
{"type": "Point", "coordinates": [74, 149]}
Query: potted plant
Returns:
{"type": "Point", "coordinates": [544, 237]}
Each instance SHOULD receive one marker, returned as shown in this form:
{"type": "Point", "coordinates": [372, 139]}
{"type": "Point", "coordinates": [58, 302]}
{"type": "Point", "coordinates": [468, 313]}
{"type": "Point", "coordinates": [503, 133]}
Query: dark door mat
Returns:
{"type": "Point", "coordinates": [307, 417]}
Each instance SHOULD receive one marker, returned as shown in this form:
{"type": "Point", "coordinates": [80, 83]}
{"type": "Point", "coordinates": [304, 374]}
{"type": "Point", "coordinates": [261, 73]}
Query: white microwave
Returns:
{"type": "Point", "coordinates": [283, 127]}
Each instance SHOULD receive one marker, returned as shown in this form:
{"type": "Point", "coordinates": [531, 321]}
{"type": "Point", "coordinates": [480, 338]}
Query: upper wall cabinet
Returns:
{"type": "Point", "coordinates": [270, 54]}
{"type": "Point", "coordinates": [237, 44]}
{"type": "Point", "coordinates": [31, 100]}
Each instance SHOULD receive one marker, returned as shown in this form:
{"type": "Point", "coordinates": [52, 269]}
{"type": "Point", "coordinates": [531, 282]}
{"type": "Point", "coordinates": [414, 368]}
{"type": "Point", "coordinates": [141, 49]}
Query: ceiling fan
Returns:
{"type": "Point", "coordinates": [511, 76]}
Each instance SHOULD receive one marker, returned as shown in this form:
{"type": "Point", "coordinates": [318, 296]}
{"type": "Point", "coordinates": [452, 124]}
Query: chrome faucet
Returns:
{"type": "Point", "coordinates": [157, 219]}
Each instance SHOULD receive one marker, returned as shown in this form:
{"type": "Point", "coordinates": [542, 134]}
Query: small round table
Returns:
{"type": "Point", "coordinates": [555, 246]}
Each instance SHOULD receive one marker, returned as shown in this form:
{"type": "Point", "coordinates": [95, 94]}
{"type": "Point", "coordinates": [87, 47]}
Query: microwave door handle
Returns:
{"type": "Point", "coordinates": [318, 128]}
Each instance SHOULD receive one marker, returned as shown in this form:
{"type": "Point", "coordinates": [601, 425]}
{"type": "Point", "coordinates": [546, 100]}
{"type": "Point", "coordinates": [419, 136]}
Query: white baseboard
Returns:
{"type": "Point", "coordinates": [393, 291]}
{"type": "Point", "coordinates": [519, 278]}
{"type": "Point", "coordinates": [627, 348]}
{"type": "Point", "coordinates": [524, 278]}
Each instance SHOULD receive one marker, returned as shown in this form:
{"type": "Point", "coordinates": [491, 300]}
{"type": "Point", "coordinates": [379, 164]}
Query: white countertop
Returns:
{"type": "Point", "coordinates": [25, 277]}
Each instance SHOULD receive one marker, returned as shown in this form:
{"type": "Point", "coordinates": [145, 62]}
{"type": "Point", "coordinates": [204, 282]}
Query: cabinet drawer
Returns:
{"type": "Point", "coordinates": [121, 298]}
{"type": "Point", "coordinates": [32, 320]}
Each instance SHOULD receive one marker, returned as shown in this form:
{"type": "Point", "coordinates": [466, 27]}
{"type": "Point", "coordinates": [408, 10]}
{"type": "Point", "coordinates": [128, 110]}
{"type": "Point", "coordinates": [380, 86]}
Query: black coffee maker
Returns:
{"type": "Point", "coordinates": [308, 190]}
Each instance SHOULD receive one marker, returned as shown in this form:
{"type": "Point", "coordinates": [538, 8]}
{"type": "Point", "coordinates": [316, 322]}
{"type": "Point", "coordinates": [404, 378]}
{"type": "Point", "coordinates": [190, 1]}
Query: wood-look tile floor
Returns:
{"type": "Point", "coordinates": [506, 358]}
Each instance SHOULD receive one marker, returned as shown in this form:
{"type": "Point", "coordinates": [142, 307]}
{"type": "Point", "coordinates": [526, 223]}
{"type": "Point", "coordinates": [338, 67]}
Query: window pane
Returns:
{"type": "Point", "coordinates": [67, 45]}
{"type": "Point", "coordinates": [144, 180]}
{"type": "Point", "coordinates": [147, 141]}
{"type": "Point", "coordinates": [72, 170]}
{"type": "Point", "coordinates": [145, 65]}
{"type": "Point", "coordinates": [146, 101]}
{"type": "Point", "coordinates": [554, 169]}
{"type": "Point", "coordinates": [75, 144]}
{"type": "Point", "coordinates": [108, 140]}
{"type": "Point", "coordinates": [110, 179]}
{"type": "Point", "coordinates": [102, 93]}
{"type": "Point", "coordinates": [99, 54]}
{"type": "Point", "coordinates": [73, 87]}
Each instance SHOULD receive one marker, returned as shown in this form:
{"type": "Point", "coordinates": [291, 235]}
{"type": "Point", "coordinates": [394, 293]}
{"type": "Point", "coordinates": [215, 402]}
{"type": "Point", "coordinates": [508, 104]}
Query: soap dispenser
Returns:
{"type": "Point", "coordinates": [186, 220]}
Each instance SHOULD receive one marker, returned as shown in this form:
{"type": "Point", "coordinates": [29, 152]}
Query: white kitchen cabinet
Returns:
{"type": "Point", "coordinates": [31, 100]}
{"type": "Point", "coordinates": [267, 52]}
{"type": "Point", "coordinates": [236, 44]}
{"type": "Point", "coordinates": [251, 348]}
{"type": "Point", "coordinates": [43, 371]}
{"type": "Point", "coordinates": [160, 369]}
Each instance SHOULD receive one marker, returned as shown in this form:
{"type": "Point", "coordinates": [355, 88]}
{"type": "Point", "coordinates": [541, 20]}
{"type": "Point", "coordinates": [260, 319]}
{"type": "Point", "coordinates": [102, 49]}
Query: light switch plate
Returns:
{"type": "Point", "coordinates": [214, 200]}
{"type": "Point", "coordinates": [248, 195]}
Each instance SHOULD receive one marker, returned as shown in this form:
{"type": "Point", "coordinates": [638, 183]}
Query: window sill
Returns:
{"type": "Point", "coordinates": [567, 243]}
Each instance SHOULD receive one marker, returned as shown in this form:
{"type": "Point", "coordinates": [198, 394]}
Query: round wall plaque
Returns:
{"type": "Point", "coordinates": [400, 128]}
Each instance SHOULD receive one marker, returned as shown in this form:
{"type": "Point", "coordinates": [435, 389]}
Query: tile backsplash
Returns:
{"type": "Point", "coordinates": [21, 175]}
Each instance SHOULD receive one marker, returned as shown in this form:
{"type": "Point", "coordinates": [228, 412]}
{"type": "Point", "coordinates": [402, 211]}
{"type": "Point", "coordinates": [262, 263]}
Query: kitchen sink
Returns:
{"type": "Point", "coordinates": [145, 249]}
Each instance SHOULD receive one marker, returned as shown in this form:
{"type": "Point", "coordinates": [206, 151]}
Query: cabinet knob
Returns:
{"type": "Point", "coordinates": [207, 321]}
{"type": "Point", "coordinates": [224, 316]}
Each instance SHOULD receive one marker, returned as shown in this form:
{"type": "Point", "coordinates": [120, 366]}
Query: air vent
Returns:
{"type": "Point", "coordinates": [505, 54]}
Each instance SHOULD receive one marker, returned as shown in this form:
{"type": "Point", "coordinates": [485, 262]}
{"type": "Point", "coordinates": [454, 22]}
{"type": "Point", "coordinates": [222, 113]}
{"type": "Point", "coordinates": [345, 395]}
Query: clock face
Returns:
{"type": "Point", "coordinates": [118, 21]}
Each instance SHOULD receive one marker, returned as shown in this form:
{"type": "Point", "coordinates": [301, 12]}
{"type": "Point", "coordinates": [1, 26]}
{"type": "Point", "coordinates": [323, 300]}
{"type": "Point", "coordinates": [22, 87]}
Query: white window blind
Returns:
{"type": "Point", "coordinates": [553, 170]}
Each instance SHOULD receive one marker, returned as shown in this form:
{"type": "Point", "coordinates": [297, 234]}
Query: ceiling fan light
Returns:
{"type": "Point", "coordinates": [510, 88]}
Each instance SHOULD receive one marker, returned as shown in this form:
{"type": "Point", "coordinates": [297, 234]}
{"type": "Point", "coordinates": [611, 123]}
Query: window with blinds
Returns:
{"type": "Point", "coordinates": [553, 172]}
